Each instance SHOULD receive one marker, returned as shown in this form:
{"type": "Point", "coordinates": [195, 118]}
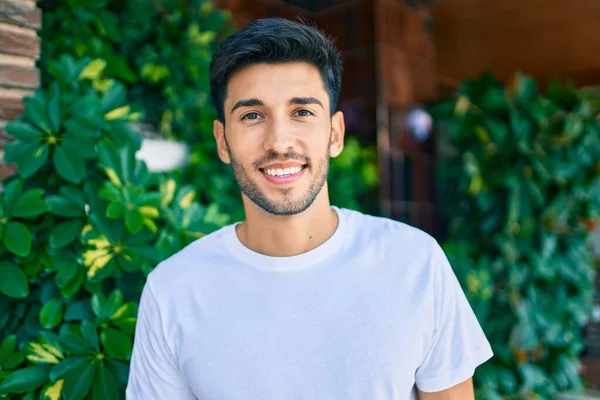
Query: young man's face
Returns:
{"type": "Point", "coordinates": [279, 135]}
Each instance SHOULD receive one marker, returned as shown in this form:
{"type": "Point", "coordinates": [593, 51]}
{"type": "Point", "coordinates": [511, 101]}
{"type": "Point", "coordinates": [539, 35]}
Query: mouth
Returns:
{"type": "Point", "coordinates": [283, 175]}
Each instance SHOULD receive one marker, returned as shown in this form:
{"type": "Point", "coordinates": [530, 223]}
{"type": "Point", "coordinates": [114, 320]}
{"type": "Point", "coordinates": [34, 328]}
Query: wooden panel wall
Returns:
{"type": "Point", "coordinates": [19, 49]}
{"type": "Point", "coordinates": [544, 38]}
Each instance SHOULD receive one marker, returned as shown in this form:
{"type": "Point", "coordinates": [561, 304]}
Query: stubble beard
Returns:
{"type": "Point", "coordinates": [287, 206]}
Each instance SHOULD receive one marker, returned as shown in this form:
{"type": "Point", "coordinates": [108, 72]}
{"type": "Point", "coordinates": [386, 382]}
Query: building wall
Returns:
{"type": "Point", "coordinates": [19, 49]}
{"type": "Point", "coordinates": [544, 38]}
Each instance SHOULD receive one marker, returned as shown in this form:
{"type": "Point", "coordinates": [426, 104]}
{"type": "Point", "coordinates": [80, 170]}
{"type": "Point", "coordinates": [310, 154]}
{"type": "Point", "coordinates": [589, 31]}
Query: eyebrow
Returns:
{"type": "Point", "coordinates": [294, 100]}
{"type": "Point", "coordinates": [304, 100]}
{"type": "Point", "coordinates": [247, 103]}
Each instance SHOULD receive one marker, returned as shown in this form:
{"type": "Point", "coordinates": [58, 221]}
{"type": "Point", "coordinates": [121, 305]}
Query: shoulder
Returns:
{"type": "Point", "coordinates": [191, 264]}
{"type": "Point", "coordinates": [392, 234]}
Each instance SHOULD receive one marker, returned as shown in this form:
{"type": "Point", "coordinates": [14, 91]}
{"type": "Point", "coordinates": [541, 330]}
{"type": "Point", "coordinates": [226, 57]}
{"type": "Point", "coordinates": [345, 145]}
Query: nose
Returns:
{"type": "Point", "coordinates": [279, 137]}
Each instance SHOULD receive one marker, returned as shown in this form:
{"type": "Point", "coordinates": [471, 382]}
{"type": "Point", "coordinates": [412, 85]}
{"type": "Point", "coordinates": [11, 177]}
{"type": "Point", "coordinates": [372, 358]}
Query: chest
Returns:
{"type": "Point", "coordinates": [362, 336]}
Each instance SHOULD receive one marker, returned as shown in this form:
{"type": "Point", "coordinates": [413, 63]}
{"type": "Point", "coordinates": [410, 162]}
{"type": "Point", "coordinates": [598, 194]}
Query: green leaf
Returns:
{"type": "Point", "coordinates": [16, 148]}
{"type": "Point", "coordinates": [31, 161]}
{"type": "Point", "coordinates": [533, 375]}
{"type": "Point", "coordinates": [51, 314]}
{"type": "Point", "coordinates": [12, 191]}
{"type": "Point", "coordinates": [88, 331]}
{"type": "Point", "coordinates": [118, 67]}
{"type": "Point", "coordinates": [8, 346]}
{"type": "Point", "coordinates": [92, 70]}
{"type": "Point", "coordinates": [25, 379]}
{"type": "Point", "coordinates": [114, 303]}
{"type": "Point", "coordinates": [22, 130]}
{"type": "Point", "coordinates": [116, 343]}
{"type": "Point", "coordinates": [13, 281]}
{"type": "Point", "coordinates": [30, 204]}
{"type": "Point", "coordinates": [71, 364]}
{"type": "Point", "coordinates": [43, 353]}
{"type": "Point", "coordinates": [35, 111]}
{"type": "Point", "coordinates": [17, 238]}
{"type": "Point", "coordinates": [69, 165]}
{"type": "Point", "coordinates": [51, 339]}
{"type": "Point", "coordinates": [54, 107]}
{"type": "Point", "coordinates": [105, 384]}
{"type": "Point", "coordinates": [74, 194]}
{"type": "Point", "coordinates": [65, 233]}
{"type": "Point", "coordinates": [126, 324]}
{"type": "Point", "coordinates": [114, 97]}
{"type": "Point", "coordinates": [52, 391]}
{"type": "Point", "coordinates": [74, 344]}
{"type": "Point", "coordinates": [64, 207]}
{"type": "Point", "coordinates": [13, 361]}
{"type": "Point", "coordinates": [573, 126]}
{"type": "Point", "coordinates": [133, 220]}
{"type": "Point", "coordinates": [109, 159]}
{"type": "Point", "coordinates": [111, 192]}
{"type": "Point", "coordinates": [98, 303]}
{"type": "Point", "coordinates": [520, 125]}
{"type": "Point", "coordinates": [66, 272]}
{"type": "Point", "coordinates": [78, 382]}
{"type": "Point", "coordinates": [78, 311]}
{"type": "Point", "coordinates": [498, 130]}
{"type": "Point", "coordinates": [120, 370]}
{"type": "Point", "coordinates": [114, 210]}
{"type": "Point", "coordinates": [80, 129]}
{"type": "Point", "coordinates": [80, 145]}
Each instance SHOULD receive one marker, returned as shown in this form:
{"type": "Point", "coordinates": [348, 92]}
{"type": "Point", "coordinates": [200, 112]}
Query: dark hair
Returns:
{"type": "Point", "coordinates": [275, 41]}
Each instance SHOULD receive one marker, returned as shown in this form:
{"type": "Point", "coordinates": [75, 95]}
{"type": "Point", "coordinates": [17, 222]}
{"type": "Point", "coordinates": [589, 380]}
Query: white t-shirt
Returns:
{"type": "Point", "coordinates": [369, 314]}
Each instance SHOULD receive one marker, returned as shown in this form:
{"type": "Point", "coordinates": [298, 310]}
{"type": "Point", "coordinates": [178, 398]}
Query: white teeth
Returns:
{"type": "Point", "coordinates": [283, 171]}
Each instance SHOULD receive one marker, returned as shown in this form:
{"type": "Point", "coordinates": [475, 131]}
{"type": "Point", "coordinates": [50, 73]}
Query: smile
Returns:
{"type": "Point", "coordinates": [283, 175]}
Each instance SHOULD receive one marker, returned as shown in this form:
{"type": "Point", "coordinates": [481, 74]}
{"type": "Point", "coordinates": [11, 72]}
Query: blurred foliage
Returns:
{"type": "Point", "coordinates": [83, 222]}
{"type": "Point", "coordinates": [521, 193]}
{"type": "Point", "coordinates": [354, 177]}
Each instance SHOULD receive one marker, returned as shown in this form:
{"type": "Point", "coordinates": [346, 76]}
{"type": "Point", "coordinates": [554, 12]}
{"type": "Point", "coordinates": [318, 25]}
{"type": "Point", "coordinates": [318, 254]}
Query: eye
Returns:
{"type": "Point", "coordinates": [303, 113]}
{"type": "Point", "coordinates": [252, 116]}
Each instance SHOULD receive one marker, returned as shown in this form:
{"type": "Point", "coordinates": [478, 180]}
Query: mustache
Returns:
{"type": "Point", "coordinates": [273, 157]}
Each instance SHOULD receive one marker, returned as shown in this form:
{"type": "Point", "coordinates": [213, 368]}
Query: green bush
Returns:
{"type": "Point", "coordinates": [161, 52]}
{"type": "Point", "coordinates": [520, 194]}
{"type": "Point", "coordinates": [82, 224]}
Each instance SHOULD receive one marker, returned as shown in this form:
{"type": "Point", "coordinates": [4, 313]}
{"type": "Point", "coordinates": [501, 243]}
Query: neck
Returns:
{"type": "Point", "coordinates": [284, 236]}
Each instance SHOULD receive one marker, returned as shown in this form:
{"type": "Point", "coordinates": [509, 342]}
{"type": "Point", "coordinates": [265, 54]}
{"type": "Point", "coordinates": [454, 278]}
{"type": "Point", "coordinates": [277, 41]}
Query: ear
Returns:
{"type": "Point", "coordinates": [219, 133]}
{"type": "Point", "coordinates": [338, 130]}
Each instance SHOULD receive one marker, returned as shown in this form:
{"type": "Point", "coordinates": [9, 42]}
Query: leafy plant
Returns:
{"type": "Point", "coordinates": [354, 177]}
{"type": "Point", "coordinates": [86, 222]}
{"type": "Point", "coordinates": [521, 193]}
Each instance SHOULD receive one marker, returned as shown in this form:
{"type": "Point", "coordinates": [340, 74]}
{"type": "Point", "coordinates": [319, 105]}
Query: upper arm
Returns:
{"type": "Point", "coordinates": [153, 372]}
{"type": "Point", "coordinates": [462, 391]}
{"type": "Point", "coordinates": [458, 344]}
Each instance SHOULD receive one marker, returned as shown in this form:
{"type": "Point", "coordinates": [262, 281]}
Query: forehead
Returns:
{"type": "Point", "coordinates": [276, 83]}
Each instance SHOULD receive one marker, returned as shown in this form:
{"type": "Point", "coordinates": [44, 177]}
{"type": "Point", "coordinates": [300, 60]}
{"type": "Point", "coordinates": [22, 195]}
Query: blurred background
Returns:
{"type": "Point", "coordinates": [475, 121]}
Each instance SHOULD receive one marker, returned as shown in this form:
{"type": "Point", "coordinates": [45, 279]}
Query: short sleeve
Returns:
{"type": "Point", "coordinates": [153, 373]}
{"type": "Point", "coordinates": [458, 344]}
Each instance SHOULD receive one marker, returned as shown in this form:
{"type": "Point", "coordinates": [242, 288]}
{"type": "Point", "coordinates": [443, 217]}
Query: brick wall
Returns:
{"type": "Point", "coordinates": [20, 20]}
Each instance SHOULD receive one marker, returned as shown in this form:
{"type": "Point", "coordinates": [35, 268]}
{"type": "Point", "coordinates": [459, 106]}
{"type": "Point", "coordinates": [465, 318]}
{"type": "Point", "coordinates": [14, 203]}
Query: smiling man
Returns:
{"type": "Point", "coordinates": [301, 300]}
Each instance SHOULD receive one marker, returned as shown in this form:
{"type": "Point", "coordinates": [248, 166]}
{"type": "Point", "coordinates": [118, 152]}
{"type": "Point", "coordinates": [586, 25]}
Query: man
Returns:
{"type": "Point", "coordinates": [301, 300]}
